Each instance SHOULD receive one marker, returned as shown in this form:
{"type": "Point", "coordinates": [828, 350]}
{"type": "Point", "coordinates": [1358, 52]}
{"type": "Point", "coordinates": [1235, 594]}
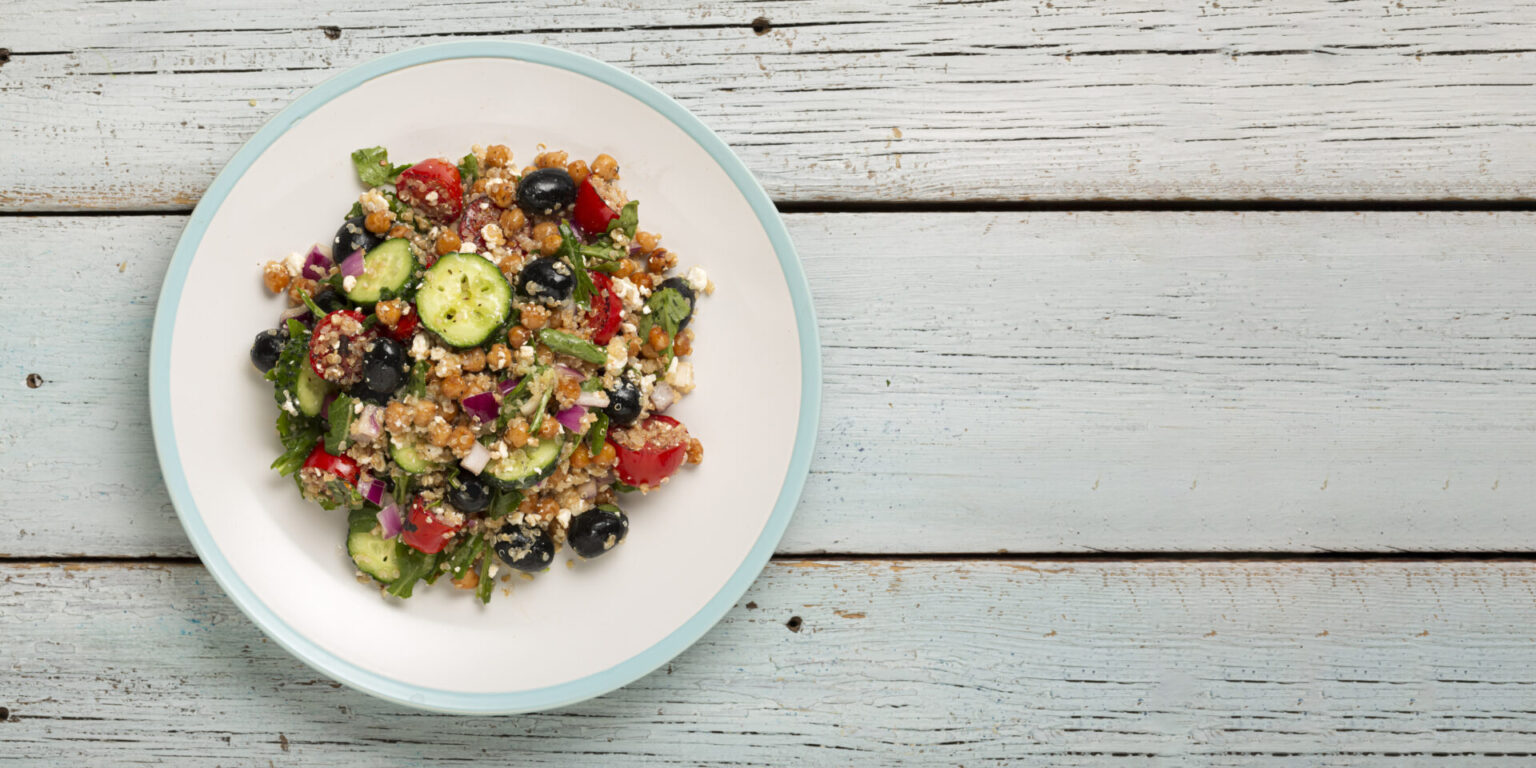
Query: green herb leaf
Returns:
{"type": "Point", "coordinates": [465, 555]}
{"type": "Point", "coordinates": [510, 402]}
{"type": "Point", "coordinates": [570, 344]}
{"type": "Point", "coordinates": [373, 168]}
{"type": "Point", "coordinates": [299, 435]}
{"type": "Point", "coordinates": [538, 418]}
{"type": "Point", "coordinates": [314, 309]}
{"type": "Point", "coordinates": [418, 385]}
{"type": "Point", "coordinates": [570, 248]}
{"type": "Point", "coordinates": [414, 566]}
{"type": "Point", "coordinates": [624, 488]}
{"type": "Point", "coordinates": [339, 420]}
{"type": "Point", "coordinates": [469, 168]}
{"type": "Point", "coordinates": [597, 433]}
{"type": "Point", "coordinates": [487, 583]}
{"type": "Point", "coordinates": [628, 221]}
{"type": "Point", "coordinates": [356, 210]}
{"type": "Point", "coordinates": [504, 504]}
{"type": "Point", "coordinates": [668, 309]}
{"type": "Point", "coordinates": [594, 384]}
{"type": "Point", "coordinates": [361, 520]}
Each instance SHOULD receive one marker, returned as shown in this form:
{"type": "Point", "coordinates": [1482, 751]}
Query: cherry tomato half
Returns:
{"type": "Point", "coordinates": [331, 335]}
{"type": "Point", "coordinates": [425, 530]}
{"type": "Point", "coordinates": [648, 466]}
{"type": "Point", "coordinates": [341, 466]}
{"type": "Point", "coordinates": [418, 183]}
{"type": "Point", "coordinates": [607, 310]}
{"type": "Point", "coordinates": [478, 212]}
{"type": "Point", "coordinates": [592, 214]}
{"type": "Point", "coordinates": [405, 327]}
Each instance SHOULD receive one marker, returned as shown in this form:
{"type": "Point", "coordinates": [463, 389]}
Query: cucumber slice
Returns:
{"type": "Point", "coordinates": [310, 391]}
{"type": "Point", "coordinates": [375, 555]}
{"type": "Point", "coordinates": [407, 454]}
{"type": "Point", "coordinates": [387, 267]}
{"type": "Point", "coordinates": [464, 299]}
{"type": "Point", "coordinates": [525, 467]}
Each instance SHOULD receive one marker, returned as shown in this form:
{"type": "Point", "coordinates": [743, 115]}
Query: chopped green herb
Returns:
{"type": "Point", "coordinates": [594, 384]}
{"type": "Point", "coordinates": [373, 168]}
{"type": "Point", "coordinates": [469, 168]}
{"type": "Point", "coordinates": [569, 344]}
{"type": "Point", "coordinates": [487, 582]}
{"type": "Point", "coordinates": [466, 554]}
{"type": "Point", "coordinates": [418, 384]}
{"type": "Point", "coordinates": [597, 433]}
{"type": "Point", "coordinates": [356, 210]}
{"type": "Point", "coordinates": [570, 248]}
{"type": "Point", "coordinates": [338, 421]}
{"type": "Point", "coordinates": [504, 504]}
{"type": "Point", "coordinates": [414, 566]}
{"type": "Point", "coordinates": [511, 401]}
{"type": "Point", "coordinates": [668, 309]}
{"type": "Point", "coordinates": [538, 418]}
{"type": "Point", "coordinates": [628, 221]}
{"type": "Point", "coordinates": [314, 309]}
{"type": "Point", "coordinates": [299, 435]}
{"type": "Point", "coordinates": [360, 520]}
{"type": "Point", "coordinates": [624, 488]}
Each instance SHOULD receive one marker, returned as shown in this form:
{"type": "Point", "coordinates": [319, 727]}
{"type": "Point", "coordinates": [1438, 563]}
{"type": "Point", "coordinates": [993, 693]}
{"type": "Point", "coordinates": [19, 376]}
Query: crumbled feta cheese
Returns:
{"type": "Point", "coordinates": [348, 283]}
{"type": "Point", "coordinates": [698, 279]}
{"type": "Point", "coordinates": [373, 201]}
{"type": "Point", "coordinates": [492, 234]}
{"type": "Point", "coordinates": [618, 354]}
{"type": "Point", "coordinates": [680, 376]}
{"type": "Point", "coordinates": [628, 292]}
{"type": "Point", "coordinates": [432, 196]}
{"type": "Point", "coordinates": [647, 383]}
{"type": "Point", "coordinates": [564, 517]}
{"type": "Point", "coordinates": [438, 353]}
{"type": "Point", "coordinates": [294, 263]}
{"type": "Point", "coordinates": [628, 327]}
{"type": "Point", "coordinates": [525, 352]}
{"type": "Point", "coordinates": [419, 346]}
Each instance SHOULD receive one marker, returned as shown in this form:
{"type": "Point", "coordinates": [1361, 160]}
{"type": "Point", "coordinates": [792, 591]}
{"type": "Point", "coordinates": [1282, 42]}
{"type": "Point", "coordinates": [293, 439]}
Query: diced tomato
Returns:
{"type": "Point", "coordinates": [425, 530]}
{"type": "Point", "coordinates": [341, 466]}
{"type": "Point", "coordinates": [349, 348]}
{"type": "Point", "coordinates": [433, 186]}
{"type": "Point", "coordinates": [592, 214]}
{"type": "Point", "coordinates": [607, 310]}
{"type": "Point", "coordinates": [405, 327]}
{"type": "Point", "coordinates": [648, 466]}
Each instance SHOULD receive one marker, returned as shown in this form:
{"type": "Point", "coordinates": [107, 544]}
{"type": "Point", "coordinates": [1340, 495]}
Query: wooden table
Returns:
{"type": "Point", "coordinates": [1179, 385]}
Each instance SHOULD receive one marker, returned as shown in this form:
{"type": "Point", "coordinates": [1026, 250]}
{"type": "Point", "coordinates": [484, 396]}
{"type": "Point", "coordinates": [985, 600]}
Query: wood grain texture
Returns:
{"type": "Point", "coordinates": [880, 100]}
{"type": "Point", "coordinates": [939, 663]}
{"type": "Point", "coordinates": [1056, 382]}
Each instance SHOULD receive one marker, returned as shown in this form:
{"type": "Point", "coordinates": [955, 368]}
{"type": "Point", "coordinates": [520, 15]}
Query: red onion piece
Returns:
{"type": "Point", "coordinates": [570, 418]}
{"type": "Point", "coordinates": [481, 405]}
{"type": "Point", "coordinates": [634, 248]}
{"type": "Point", "coordinates": [353, 266]}
{"type": "Point", "coordinates": [566, 370]}
{"type": "Point", "coordinates": [368, 425]}
{"type": "Point", "coordinates": [588, 490]}
{"type": "Point", "coordinates": [389, 518]}
{"type": "Point", "coordinates": [478, 457]}
{"type": "Point", "coordinates": [509, 385]}
{"type": "Point", "coordinates": [662, 396]}
{"type": "Point", "coordinates": [371, 489]}
{"type": "Point", "coordinates": [316, 264]}
{"type": "Point", "coordinates": [598, 399]}
{"type": "Point", "coordinates": [299, 313]}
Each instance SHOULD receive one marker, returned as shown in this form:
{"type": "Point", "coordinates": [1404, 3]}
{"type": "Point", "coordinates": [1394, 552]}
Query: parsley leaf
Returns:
{"type": "Point", "coordinates": [628, 221]}
{"type": "Point", "coordinates": [668, 309]}
{"type": "Point", "coordinates": [339, 421]}
{"type": "Point", "coordinates": [373, 168]}
{"type": "Point", "coordinates": [356, 210]}
{"type": "Point", "coordinates": [504, 504]}
{"type": "Point", "coordinates": [299, 436]}
{"type": "Point", "coordinates": [624, 488]}
{"type": "Point", "coordinates": [469, 168]}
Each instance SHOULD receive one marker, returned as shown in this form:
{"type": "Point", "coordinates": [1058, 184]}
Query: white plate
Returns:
{"type": "Point", "coordinates": [574, 632]}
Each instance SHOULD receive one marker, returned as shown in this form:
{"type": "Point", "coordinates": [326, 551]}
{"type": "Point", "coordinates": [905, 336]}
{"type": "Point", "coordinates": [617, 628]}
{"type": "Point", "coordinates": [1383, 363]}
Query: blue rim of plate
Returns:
{"type": "Point", "coordinates": [548, 697]}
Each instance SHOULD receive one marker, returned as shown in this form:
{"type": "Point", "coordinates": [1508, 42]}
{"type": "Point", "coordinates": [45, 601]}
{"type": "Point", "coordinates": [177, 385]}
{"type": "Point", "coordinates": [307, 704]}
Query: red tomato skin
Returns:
{"type": "Point", "coordinates": [647, 467]}
{"type": "Point", "coordinates": [425, 531]}
{"type": "Point", "coordinates": [428, 176]}
{"type": "Point", "coordinates": [314, 361]}
{"type": "Point", "coordinates": [405, 327]}
{"type": "Point", "coordinates": [341, 466]}
{"type": "Point", "coordinates": [607, 310]}
{"type": "Point", "coordinates": [592, 214]}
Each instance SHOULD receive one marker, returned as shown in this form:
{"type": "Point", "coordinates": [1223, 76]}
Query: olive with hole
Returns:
{"type": "Point", "coordinates": [468, 494]}
{"type": "Point", "coordinates": [524, 547]}
{"type": "Point", "coordinates": [266, 349]}
{"type": "Point", "coordinates": [597, 530]}
{"type": "Point", "coordinates": [546, 191]}
{"type": "Point", "coordinates": [353, 236]}
{"type": "Point", "coordinates": [623, 404]}
{"type": "Point", "coordinates": [686, 291]}
{"type": "Point", "coordinates": [546, 278]}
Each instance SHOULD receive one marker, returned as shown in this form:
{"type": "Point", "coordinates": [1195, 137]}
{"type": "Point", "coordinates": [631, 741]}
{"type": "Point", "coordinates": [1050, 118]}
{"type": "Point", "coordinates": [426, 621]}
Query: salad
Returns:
{"type": "Point", "coordinates": [477, 368]}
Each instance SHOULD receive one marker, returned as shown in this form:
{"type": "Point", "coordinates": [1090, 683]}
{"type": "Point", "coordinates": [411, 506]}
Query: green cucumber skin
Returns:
{"type": "Point", "coordinates": [406, 455]}
{"type": "Point", "coordinates": [544, 468]}
{"type": "Point", "coordinates": [368, 288]}
{"type": "Point", "coordinates": [310, 390]}
{"type": "Point", "coordinates": [434, 310]}
{"type": "Point", "coordinates": [376, 556]}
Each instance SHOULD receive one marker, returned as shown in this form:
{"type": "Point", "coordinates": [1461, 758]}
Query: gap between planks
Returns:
{"type": "Point", "coordinates": [1017, 559]}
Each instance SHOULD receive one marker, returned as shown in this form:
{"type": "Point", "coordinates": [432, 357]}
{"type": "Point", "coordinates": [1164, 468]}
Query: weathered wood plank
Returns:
{"type": "Point", "coordinates": [1053, 382]}
{"type": "Point", "coordinates": [876, 100]}
{"type": "Point", "coordinates": [1026, 663]}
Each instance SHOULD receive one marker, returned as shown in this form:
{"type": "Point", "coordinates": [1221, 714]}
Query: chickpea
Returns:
{"type": "Point", "coordinates": [658, 339]}
{"type": "Point", "coordinates": [695, 451]}
{"type": "Point", "coordinates": [510, 265]}
{"type": "Point", "coordinates": [448, 410]}
{"type": "Point", "coordinates": [534, 317]}
{"type": "Point", "coordinates": [397, 417]}
{"type": "Point", "coordinates": [480, 186]}
{"type": "Point", "coordinates": [401, 230]}
{"type": "Point", "coordinates": [469, 580]}
{"type": "Point", "coordinates": [453, 387]}
{"type": "Point", "coordinates": [626, 268]}
{"type": "Point", "coordinates": [473, 360]}
{"type": "Point", "coordinates": [517, 433]}
{"type": "Point", "coordinates": [550, 159]}
{"type": "Point", "coordinates": [518, 336]}
{"type": "Point", "coordinates": [580, 458]}
{"type": "Point", "coordinates": [548, 507]}
{"type": "Point", "coordinates": [605, 167]}
{"type": "Point", "coordinates": [634, 347]}
{"type": "Point", "coordinates": [608, 456]}
{"type": "Point", "coordinates": [661, 261]}
{"type": "Point", "coordinates": [299, 286]}
{"type": "Point", "coordinates": [527, 169]}
{"type": "Point", "coordinates": [438, 433]}
{"type": "Point", "coordinates": [578, 171]}
{"type": "Point", "coordinates": [389, 312]}
{"type": "Point", "coordinates": [647, 241]}
{"type": "Point", "coordinates": [447, 242]}
{"type": "Point", "coordinates": [423, 413]}
{"type": "Point", "coordinates": [498, 156]}
{"type": "Point", "coordinates": [642, 280]}
{"type": "Point", "coordinates": [379, 222]}
{"type": "Point", "coordinates": [502, 193]}
{"type": "Point", "coordinates": [499, 357]}
{"type": "Point", "coordinates": [545, 229]}
{"type": "Point", "coordinates": [512, 221]}
{"type": "Point", "coordinates": [461, 441]}
{"type": "Point", "coordinates": [276, 277]}
{"type": "Point", "coordinates": [550, 246]}
{"type": "Point", "coordinates": [682, 346]}
{"type": "Point", "coordinates": [566, 391]}
{"type": "Point", "coordinates": [549, 429]}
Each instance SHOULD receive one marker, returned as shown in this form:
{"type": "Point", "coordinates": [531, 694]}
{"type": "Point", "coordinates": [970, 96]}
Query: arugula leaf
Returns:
{"type": "Point", "coordinates": [487, 582]}
{"type": "Point", "coordinates": [573, 345]}
{"type": "Point", "coordinates": [465, 555]}
{"type": "Point", "coordinates": [597, 433]}
{"type": "Point", "coordinates": [299, 435]}
{"type": "Point", "coordinates": [339, 420]}
{"type": "Point", "coordinates": [538, 420]}
{"type": "Point", "coordinates": [339, 493]}
{"type": "Point", "coordinates": [628, 221]}
{"type": "Point", "coordinates": [668, 309]}
{"type": "Point", "coordinates": [570, 248]}
{"type": "Point", "coordinates": [469, 168]}
{"type": "Point", "coordinates": [373, 168]}
{"type": "Point", "coordinates": [504, 504]}
{"type": "Point", "coordinates": [361, 520]}
{"type": "Point", "coordinates": [414, 566]}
